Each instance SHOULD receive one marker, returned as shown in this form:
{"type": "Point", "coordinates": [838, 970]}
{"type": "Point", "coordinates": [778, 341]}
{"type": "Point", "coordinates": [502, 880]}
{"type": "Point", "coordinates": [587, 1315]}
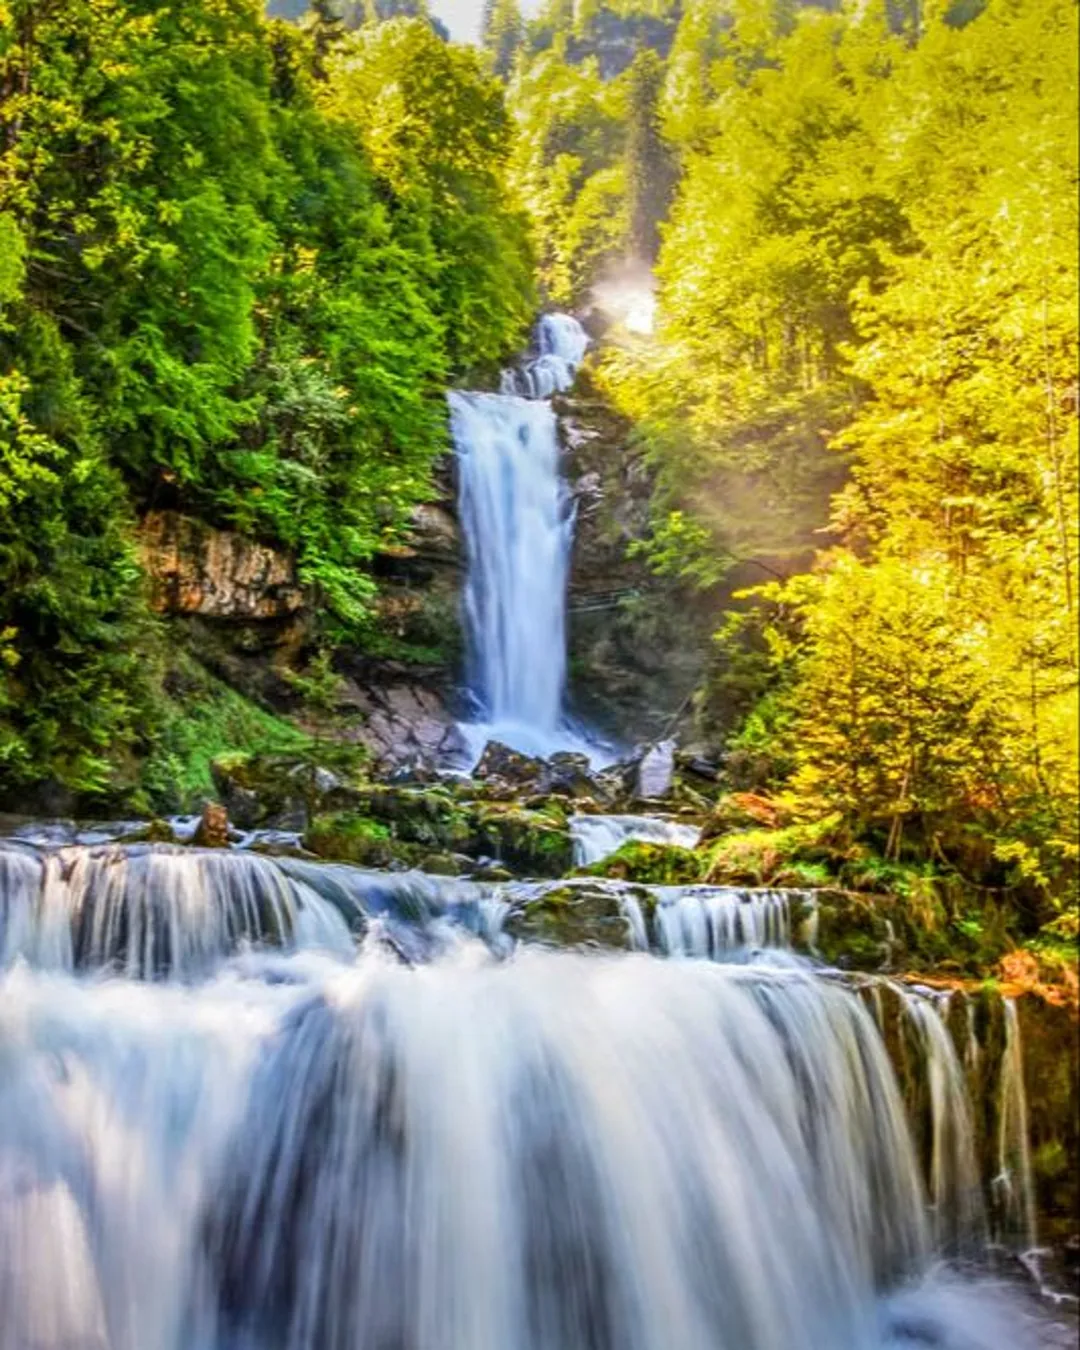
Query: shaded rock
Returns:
{"type": "Point", "coordinates": [1051, 1059]}
{"type": "Point", "coordinates": [531, 843]}
{"type": "Point", "coordinates": [502, 762]}
{"type": "Point", "coordinates": [273, 791]}
{"type": "Point", "coordinates": [429, 816]}
{"type": "Point", "coordinates": [568, 774]}
{"type": "Point", "coordinates": [434, 533]}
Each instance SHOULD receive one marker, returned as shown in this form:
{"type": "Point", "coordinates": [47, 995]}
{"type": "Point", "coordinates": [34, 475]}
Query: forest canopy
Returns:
{"type": "Point", "coordinates": [235, 283]}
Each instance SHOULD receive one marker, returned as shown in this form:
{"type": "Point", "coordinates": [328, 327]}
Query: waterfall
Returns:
{"type": "Point", "coordinates": [233, 1118]}
{"type": "Point", "coordinates": [517, 521]}
{"type": "Point", "coordinates": [596, 837]}
{"type": "Point", "coordinates": [159, 911]}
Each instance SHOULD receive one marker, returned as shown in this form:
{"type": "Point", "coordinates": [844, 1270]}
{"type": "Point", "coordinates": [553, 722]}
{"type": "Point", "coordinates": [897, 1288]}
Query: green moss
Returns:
{"type": "Point", "coordinates": [351, 838]}
{"type": "Point", "coordinates": [534, 843]}
{"type": "Point", "coordinates": [572, 915]}
{"type": "Point", "coordinates": [650, 864]}
{"type": "Point", "coordinates": [204, 721]}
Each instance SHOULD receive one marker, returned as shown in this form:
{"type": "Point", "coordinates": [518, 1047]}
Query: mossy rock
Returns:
{"type": "Point", "coordinates": [650, 864]}
{"type": "Point", "coordinates": [1051, 1057]}
{"type": "Point", "coordinates": [430, 816]}
{"type": "Point", "coordinates": [575, 914]}
{"type": "Point", "coordinates": [851, 931]}
{"type": "Point", "coordinates": [531, 843]}
{"type": "Point", "coordinates": [351, 838]}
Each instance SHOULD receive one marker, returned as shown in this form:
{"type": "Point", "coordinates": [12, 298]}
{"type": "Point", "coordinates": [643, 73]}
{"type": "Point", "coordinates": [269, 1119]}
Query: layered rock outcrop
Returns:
{"type": "Point", "coordinates": [196, 569]}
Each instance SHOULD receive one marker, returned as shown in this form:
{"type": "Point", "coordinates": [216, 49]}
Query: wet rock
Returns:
{"type": "Point", "coordinates": [1051, 1059]}
{"type": "Point", "coordinates": [569, 775]}
{"type": "Point", "coordinates": [510, 766]}
{"type": "Point", "coordinates": [649, 863]}
{"type": "Point", "coordinates": [853, 931]}
{"type": "Point", "coordinates": [429, 816]}
{"type": "Point", "coordinates": [152, 832]}
{"type": "Point", "coordinates": [212, 830]}
{"type": "Point", "coordinates": [531, 843]}
{"type": "Point", "coordinates": [573, 914]}
{"type": "Point", "coordinates": [698, 766]}
{"type": "Point", "coordinates": [264, 790]}
{"type": "Point", "coordinates": [656, 771]}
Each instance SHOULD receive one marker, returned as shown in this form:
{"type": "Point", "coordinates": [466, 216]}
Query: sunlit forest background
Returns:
{"type": "Point", "coordinates": [243, 256]}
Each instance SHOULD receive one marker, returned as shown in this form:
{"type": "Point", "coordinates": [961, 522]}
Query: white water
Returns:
{"type": "Point", "coordinates": [597, 837]}
{"type": "Point", "coordinates": [560, 1153]}
{"type": "Point", "coordinates": [318, 1150]}
{"type": "Point", "coordinates": [517, 521]}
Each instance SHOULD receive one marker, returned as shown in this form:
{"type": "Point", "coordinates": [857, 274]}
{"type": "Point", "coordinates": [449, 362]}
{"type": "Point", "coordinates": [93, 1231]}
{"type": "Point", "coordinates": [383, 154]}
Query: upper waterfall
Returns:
{"type": "Point", "coordinates": [517, 518]}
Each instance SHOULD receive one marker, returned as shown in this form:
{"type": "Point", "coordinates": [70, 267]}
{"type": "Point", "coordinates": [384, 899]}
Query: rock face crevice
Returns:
{"type": "Point", "coordinates": [195, 569]}
{"type": "Point", "coordinates": [638, 643]}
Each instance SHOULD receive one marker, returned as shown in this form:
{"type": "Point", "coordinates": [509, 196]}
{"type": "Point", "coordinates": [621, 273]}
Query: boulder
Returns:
{"type": "Point", "coordinates": [568, 774]}
{"type": "Point", "coordinates": [575, 914]}
{"type": "Point", "coordinates": [530, 843]}
{"type": "Point", "coordinates": [511, 766]}
{"type": "Point", "coordinates": [656, 771]}
{"type": "Point", "coordinates": [651, 864]}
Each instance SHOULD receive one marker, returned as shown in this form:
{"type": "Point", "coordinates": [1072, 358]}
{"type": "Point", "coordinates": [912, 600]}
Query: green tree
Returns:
{"type": "Point", "coordinates": [502, 31]}
{"type": "Point", "coordinates": [649, 170]}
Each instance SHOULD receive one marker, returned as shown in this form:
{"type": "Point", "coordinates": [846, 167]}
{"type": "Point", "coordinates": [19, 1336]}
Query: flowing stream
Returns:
{"type": "Point", "coordinates": [254, 1103]}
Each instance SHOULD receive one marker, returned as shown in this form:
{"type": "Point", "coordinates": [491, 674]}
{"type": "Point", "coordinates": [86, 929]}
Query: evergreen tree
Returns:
{"type": "Point", "coordinates": [649, 172]}
{"type": "Point", "coordinates": [502, 31]}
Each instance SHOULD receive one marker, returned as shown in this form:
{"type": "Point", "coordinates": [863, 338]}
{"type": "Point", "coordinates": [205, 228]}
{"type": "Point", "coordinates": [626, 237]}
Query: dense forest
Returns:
{"type": "Point", "coordinates": [242, 257]}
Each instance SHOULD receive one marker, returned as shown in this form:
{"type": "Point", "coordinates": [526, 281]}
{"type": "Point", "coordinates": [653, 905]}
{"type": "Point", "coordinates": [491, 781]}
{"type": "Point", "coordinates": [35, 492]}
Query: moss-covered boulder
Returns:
{"type": "Point", "coordinates": [574, 914]}
{"type": "Point", "coordinates": [850, 931]}
{"type": "Point", "coordinates": [355, 839]}
{"type": "Point", "coordinates": [650, 864]}
{"type": "Point", "coordinates": [432, 816]}
{"type": "Point", "coordinates": [530, 843]}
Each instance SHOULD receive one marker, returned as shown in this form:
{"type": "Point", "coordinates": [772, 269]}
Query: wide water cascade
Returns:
{"type": "Point", "coordinates": [240, 1110]}
{"type": "Point", "coordinates": [517, 521]}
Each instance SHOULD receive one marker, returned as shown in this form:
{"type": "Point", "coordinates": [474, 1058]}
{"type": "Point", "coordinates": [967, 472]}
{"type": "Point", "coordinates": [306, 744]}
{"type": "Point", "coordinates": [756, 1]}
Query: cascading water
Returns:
{"type": "Point", "coordinates": [253, 1103]}
{"type": "Point", "coordinates": [517, 521]}
{"type": "Point", "coordinates": [595, 837]}
{"type": "Point", "coordinates": [208, 1145]}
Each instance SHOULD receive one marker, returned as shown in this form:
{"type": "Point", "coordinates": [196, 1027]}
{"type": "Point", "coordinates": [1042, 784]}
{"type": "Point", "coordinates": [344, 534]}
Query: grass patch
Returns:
{"type": "Point", "coordinates": [203, 721]}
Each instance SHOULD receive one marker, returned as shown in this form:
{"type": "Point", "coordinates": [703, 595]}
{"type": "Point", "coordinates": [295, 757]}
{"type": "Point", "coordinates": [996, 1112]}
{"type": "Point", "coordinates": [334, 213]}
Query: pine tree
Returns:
{"type": "Point", "coordinates": [502, 32]}
{"type": "Point", "coordinates": [649, 169]}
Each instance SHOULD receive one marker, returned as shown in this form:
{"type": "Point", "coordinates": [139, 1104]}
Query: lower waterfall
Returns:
{"type": "Point", "coordinates": [305, 1144]}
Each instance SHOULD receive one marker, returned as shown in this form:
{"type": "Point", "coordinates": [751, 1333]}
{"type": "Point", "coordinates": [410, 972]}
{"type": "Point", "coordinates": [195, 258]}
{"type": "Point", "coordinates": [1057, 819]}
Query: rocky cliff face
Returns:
{"type": "Point", "coordinates": [195, 569]}
{"type": "Point", "coordinates": [638, 643]}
